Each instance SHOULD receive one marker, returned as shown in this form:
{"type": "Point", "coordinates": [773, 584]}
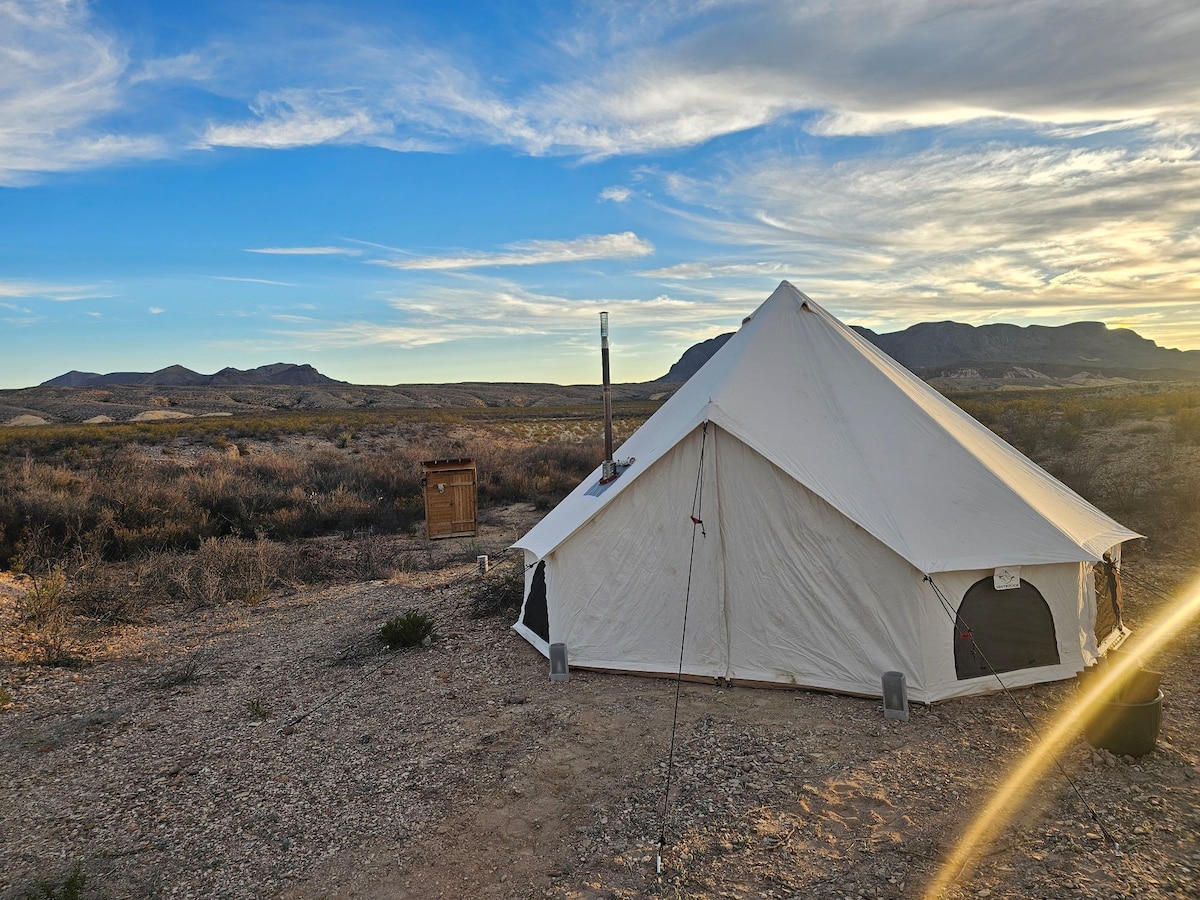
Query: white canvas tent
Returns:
{"type": "Point", "coordinates": [828, 482]}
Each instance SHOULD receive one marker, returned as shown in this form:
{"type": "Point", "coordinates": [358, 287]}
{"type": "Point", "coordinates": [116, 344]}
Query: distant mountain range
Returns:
{"type": "Point", "coordinates": [933, 348]}
{"type": "Point", "coordinates": [178, 376]}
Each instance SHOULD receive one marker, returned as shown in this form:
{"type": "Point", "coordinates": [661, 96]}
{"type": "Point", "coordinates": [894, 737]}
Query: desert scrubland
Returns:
{"type": "Point", "coordinates": [195, 699]}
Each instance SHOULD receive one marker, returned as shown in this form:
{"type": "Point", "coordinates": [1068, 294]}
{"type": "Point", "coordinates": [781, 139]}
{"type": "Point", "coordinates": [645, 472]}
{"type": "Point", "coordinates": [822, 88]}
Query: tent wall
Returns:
{"type": "Point", "coordinates": [787, 592]}
{"type": "Point", "coordinates": [784, 588]}
{"type": "Point", "coordinates": [1064, 586]}
{"type": "Point", "coordinates": [618, 586]}
{"type": "Point", "coordinates": [813, 599]}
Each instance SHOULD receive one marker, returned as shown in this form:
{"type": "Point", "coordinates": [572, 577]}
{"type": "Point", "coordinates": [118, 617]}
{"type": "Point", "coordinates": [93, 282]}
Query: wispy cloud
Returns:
{"type": "Point", "coordinates": [306, 251]}
{"type": "Point", "coordinates": [1003, 231]}
{"type": "Point", "coordinates": [58, 293]}
{"type": "Point", "coordinates": [496, 308]}
{"type": "Point", "coordinates": [253, 280]}
{"type": "Point", "coordinates": [704, 270]}
{"type": "Point", "coordinates": [23, 321]}
{"type": "Point", "coordinates": [62, 77]}
{"type": "Point", "coordinates": [530, 253]}
{"type": "Point", "coordinates": [156, 310]}
{"type": "Point", "coordinates": [189, 66]}
{"type": "Point", "coordinates": [616, 194]}
{"type": "Point", "coordinates": [297, 119]}
{"type": "Point", "coordinates": [602, 80]}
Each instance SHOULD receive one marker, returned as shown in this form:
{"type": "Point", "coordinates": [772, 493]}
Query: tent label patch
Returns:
{"type": "Point", "coordinates": [1007, 578]}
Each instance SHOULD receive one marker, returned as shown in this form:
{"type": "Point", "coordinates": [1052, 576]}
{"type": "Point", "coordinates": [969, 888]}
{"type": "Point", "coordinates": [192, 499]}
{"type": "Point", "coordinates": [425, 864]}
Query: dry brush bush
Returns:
{"type": "Point", "coordinates": [1186, 425]}
{"type": "Point", "coordinates": [1126, 450]}
{"type": "Point", "coordinates": [137, 505]}
{"type": "Point", "coordinates": [44, 612]}
{"type": "Point", "coordinates": [134, 516]}
{"type": "Point", "coordinates": [499, 592]}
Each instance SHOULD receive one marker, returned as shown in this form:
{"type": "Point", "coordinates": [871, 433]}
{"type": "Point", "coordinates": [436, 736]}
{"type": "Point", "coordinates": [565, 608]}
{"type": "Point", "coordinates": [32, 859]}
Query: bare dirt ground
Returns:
{"type": "Point", "coordinates": [168, 768]}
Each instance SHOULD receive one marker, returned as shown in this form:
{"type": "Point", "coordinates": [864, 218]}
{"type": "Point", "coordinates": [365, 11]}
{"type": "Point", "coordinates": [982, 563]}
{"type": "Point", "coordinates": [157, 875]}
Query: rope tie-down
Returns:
{"type": "Point", "coordinates": [697, 524]}
{"type": "Point", "coordinates": [964, 632]}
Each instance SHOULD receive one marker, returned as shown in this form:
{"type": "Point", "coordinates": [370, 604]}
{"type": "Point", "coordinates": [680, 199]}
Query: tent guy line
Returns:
{"type": "Point", "coordinates": [697, 522]}
{"type": "Point", "coordinates": [968, 634]}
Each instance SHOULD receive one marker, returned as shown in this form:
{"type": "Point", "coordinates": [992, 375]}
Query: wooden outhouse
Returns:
{"type": "Point", "coordinates": [450, 498]}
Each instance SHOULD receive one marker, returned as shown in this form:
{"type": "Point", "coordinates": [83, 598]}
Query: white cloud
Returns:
{"type": "Point", "coordinates": [156, 310]}
{"type": "Point", "coordinates": [296, 119]}
{"type": "Point", "coordinates": [616, 194]}
{"type": "Point", "coordinates": [529, 253]}
{"type": "Point", "coordinates": [704, 270]}
{"type": "Point", "coordinates": [306, 251]}
{"type": "Point", "coordinates": [602, 81]}
{"type": "Point", "coordinates": [855, 67]}
{"type": "Point", "coordinates": [62, 76]}
{"type": "Point", "coordinates": [23, 321]}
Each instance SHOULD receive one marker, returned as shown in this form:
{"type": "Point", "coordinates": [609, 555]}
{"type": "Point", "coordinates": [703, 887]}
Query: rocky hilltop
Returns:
{"type": "Point", "coordinates": [947, 346]}
{"type": "Point", "coordinates": [179, 376]}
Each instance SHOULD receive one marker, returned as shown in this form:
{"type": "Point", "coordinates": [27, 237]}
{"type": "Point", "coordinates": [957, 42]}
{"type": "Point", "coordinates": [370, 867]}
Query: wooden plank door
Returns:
{"type": "Point", "coordinates": [450, 503]}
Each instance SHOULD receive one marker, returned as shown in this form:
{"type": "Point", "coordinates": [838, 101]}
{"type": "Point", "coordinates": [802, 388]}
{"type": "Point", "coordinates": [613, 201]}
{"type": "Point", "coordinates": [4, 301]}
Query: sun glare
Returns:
{"type": "Point", "coordinates": [1025, 776]}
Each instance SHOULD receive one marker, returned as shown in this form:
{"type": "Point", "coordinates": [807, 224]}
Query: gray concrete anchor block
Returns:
{"type": "Point", "coordinates": [895, 696]}
{"type": "Point", "coordinates": [559, 670]}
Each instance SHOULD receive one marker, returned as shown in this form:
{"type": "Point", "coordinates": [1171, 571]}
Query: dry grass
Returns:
{"type": "Point", "coordinates": [205, 516]}
{"type": "Point", "coordinates": [208, 513]}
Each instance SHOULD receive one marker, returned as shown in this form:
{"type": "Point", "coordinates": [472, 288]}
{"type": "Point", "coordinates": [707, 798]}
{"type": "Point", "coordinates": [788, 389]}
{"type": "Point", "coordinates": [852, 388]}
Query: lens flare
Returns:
{"type": "Point", "coordinates": [1009, 798]}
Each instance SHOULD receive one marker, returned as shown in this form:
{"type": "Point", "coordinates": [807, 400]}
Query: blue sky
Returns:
{"type": "Point", "coordinates": [405, 192]}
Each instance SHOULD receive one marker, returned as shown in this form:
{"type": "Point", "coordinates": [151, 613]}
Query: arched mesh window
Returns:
{"type": "Point", "coordinates": [1002, 631]}
{"type": "Point", "coordinates": [535, 616]}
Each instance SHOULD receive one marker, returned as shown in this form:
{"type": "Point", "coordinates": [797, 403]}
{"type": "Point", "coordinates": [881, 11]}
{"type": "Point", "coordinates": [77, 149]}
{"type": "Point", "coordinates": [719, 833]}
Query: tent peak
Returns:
{"type": "Point", "coordinates": [785, 292]}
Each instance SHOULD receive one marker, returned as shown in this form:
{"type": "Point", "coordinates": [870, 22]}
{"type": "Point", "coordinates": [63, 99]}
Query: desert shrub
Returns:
{"type": "Point", "coordinates": [225, 571]}
{"type": "Point", "coordinates": [1186, 426]}
{"type": "Point", "coordinates": [1079, 471]}
{"type": "Point", "coordinates": [499, 592]}
{"type": "Point", "coordinates": [550, 470]}
{"type": "Point", "coordinates": [44, 611]}
{"type": "Point", "coordinates": [257, 709]}
{"type": "Point", "coordinates": [129, 526]}
{"type": "Point", "coordinates": [298, 564]}
{"type": "Point", "coordinates": [1143, 428]}
{"type": "Point", "coordinates": [1063, 437]}
{"type": "Point", "coordinates": [102, 596]}
{"type": "Point", "coordinates": [230, 570]}
{"type": "Point", "coordinates": [189, 671]}
{"type": "Point", "coordinates": [70, 888]}
{"type": "Point", "coordinates": [375, 558]}
{"type": "Point", "coordinates": [41, 562]}
{"type": "Point", "coordinates": [43, 599]}
{"type": "Point", "coordinates": [410, 629]}
{"type": "Point", "coordinates": [45, 614]}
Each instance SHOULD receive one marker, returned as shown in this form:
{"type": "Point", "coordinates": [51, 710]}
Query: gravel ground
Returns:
{"type": "Point", "coordinates": [169, 768]}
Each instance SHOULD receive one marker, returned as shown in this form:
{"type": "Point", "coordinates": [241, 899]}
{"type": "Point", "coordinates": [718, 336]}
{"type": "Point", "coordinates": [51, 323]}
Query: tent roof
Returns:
{"type": "Point", "coordinates": [871, 439]}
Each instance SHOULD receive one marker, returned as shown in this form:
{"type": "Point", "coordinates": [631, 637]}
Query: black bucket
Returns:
{"type": "Point", "coordinates": [1126, 729]}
